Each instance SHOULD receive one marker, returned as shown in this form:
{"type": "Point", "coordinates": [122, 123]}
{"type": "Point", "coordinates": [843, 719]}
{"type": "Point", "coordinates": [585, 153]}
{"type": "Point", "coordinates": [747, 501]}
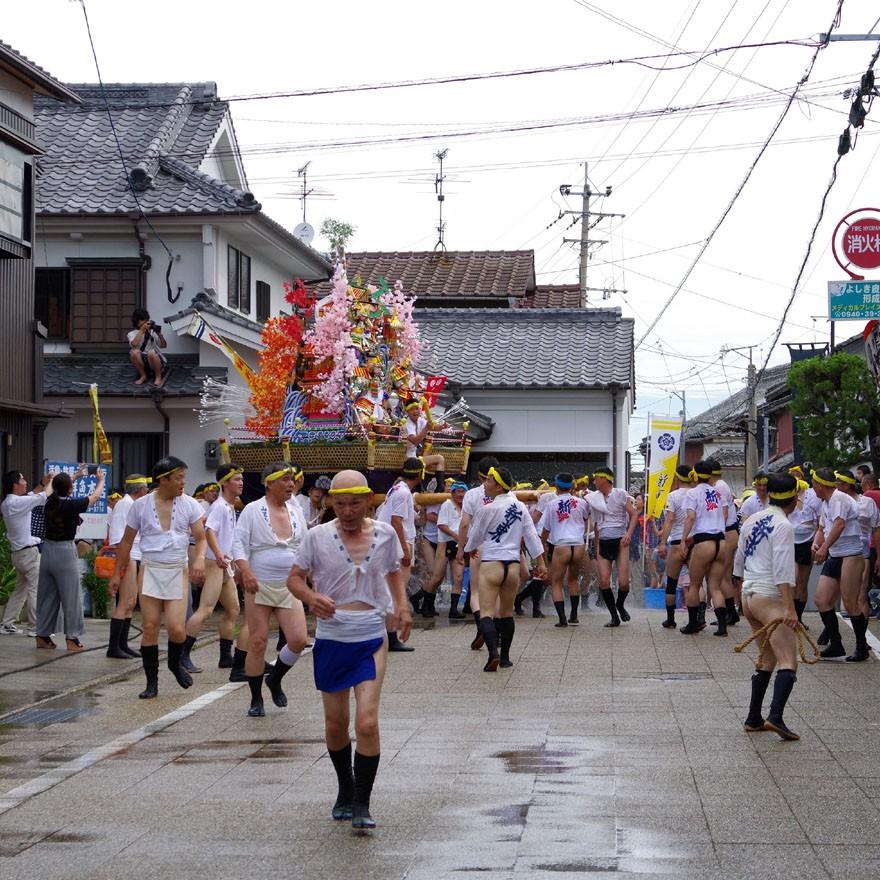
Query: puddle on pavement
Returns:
{"type": "Point", "coordinates": [580, 867]}
{"type": "Point", "coordinates": [14, 842]}
{"type": "Point", "coordinates": [65, 709]}
{"type": "Point", "coordinates": [540, 760]}
{"type": "Point", "coordinates": [514, 814]}
{"type": "Point", "coordinates": [678, 676]}
{"type": "Point", "coordinates": [212, 751]}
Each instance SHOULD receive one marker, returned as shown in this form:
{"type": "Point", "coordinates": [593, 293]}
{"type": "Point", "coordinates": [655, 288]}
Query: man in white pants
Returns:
{"type": "Point", "coordinates": [17, 506]}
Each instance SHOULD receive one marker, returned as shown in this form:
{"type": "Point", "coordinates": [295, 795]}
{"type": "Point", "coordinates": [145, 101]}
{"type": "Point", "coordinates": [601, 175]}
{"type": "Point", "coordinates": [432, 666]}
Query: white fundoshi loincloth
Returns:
{"type": "Point", "coordinates": [274, 594]}
{"type": "Point", "coordinates": [164, 580]}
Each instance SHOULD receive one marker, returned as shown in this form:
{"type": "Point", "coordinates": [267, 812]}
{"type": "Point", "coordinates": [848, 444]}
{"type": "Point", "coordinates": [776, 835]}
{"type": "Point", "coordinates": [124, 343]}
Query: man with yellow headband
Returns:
{"type": "Point", "coordinates": [838, 548]}
{"type": "Point", "coordinates": [415, 429]}
{"type": "Point", "coordinates": [164, 519]}
{"type": "Point", "coordinates": [126, 596]}
{"type": "Point", "coordinates": [758, 501]}
{"type": "Point", "coordinates": [219, 584]}
{"type": "Point", "coordinates": [398, 510]}
{"type": "Point", "coordinates": [764, 564]}
{"type": "Point", "coordinates": [264, 545]}
{"type": "Point", "coordinates": [357, 593]}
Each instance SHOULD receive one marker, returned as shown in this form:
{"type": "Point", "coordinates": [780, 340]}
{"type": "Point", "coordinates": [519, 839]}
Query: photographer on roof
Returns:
{"type": "Point", "coordinates": [146, 340]}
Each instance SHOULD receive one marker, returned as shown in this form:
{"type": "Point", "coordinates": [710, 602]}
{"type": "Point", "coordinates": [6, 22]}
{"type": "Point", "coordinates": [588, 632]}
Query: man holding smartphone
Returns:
{"type": "Point", "coordinates": [146, 341]}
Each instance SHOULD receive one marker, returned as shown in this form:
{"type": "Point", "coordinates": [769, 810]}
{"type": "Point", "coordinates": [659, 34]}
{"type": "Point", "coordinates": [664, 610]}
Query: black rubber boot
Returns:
{"type": "Point", "coordinates": [341, 759]}
{"type": "Point", "coordinates": [693, 626]}
{"type": "Point", "coordinates": [150, 660]}
{"type": "Point", "coordinates": [237, 672]}
{"type": "Point", "coordinates": [782, 686]}
{"type": "Point", "coordinates": [113, 649]}
{"type": "Point", "coordinates": [608, 596]}
{"type": "Point", "coordinates": [428, 609]}
{"type": "Point", "coordinates": [860, 627]}
{"type": "Point", "coordinates": [490, 637]}
{"type": "Point", "coordinates": [416, 601]}
{"type": "Point", "coordinates": [225, 661]}
{"type": "Point", "coordinates": [256, 710]}
{"type": "Point", "coordinates": [575, 604]}
{"type": "Point", "coordinates": [477, 643]}
{"type": "Point", "coordinates": [506, 628]}
{"type": "Point", "coordinates": [834, 650]}
{"type": "Point", "coordinates": [185, 659]}
{"type": "Point", "coordinates": [521, 596]}
{"type": "Point", "coordinates": [721, 617]}
{"type": "Point", "coordinates": [365, 767]}
{"type": "Point", "coordinates": [560, 612]}
{"type": "Point", "coordinates": [537, 595]}
{"type": "Point", "coordinates": [175, 652]}
{"type": "Point", "coordinates": [671, 593]}
{"type": "Point", "coordinates": [760, 681]}
{"type": "Point", "coordinates": [273, 682]}
{"type": "Point", "coordinates": [123, 639]}
{"type": "Point", "coordinates": [454, 613]}
{"type": "Point", "coordinates": [701, 616]}
{"type": "Point", "coordinates": [799, 609]}
{"type": "Point", "coordinates": [621, 604]}
{"type": "Point", "coordinates": [732, 613]}
{"type": "Point", "coordinates": [394, 644]}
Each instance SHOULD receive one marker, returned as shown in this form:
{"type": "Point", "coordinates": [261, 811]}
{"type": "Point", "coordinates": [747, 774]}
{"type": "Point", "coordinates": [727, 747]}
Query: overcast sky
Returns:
{"type": "Point", "coordinates": [672, 176]}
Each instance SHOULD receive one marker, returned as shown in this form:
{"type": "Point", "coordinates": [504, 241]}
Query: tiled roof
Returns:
{"type": "Point", "coordinates": [552, 296]}
{"type": "Point", "coordinates": [165, 132]}
{"type": "Point", "coordinates": [528, 348]}
{"type": "Point", "coordinates": [71, 375]}
{"type": "Point", "coordinates": [44, 82]}
{"type": "Point", "coordinates": [207, 305]}
{"type": "Point", "coordinates": [728, 417]}
{"type": "Point", "coordinates": [453, 275]}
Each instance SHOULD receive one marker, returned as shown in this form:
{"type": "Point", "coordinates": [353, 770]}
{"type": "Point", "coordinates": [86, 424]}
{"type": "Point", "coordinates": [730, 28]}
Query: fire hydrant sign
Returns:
{"type": "Point", "coordinates": [94, 520]}
{"type": "Point", "coordinates": [853, 300]}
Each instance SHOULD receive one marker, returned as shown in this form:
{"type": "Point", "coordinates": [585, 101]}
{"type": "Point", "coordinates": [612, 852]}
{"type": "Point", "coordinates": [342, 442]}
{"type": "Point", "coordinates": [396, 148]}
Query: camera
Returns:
{"type": "Point", "coordinates": [156, 328]}
{"type": "Point", "coordinates": [92, 469]}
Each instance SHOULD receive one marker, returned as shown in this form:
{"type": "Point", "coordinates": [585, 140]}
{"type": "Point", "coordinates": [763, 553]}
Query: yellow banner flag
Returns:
{"type": "Point", "coordinates": [201, 329]}
{"type": "Point", "coordinates": [101, 452]}
{"type": "Point", "coordinates": [662, 459]}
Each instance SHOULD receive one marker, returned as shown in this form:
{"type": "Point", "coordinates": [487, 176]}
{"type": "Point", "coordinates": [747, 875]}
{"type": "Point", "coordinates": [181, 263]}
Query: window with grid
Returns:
{"type": "Point", "coordinates": [264, 300]}
{"type": "Point", "coordinates": [103, 294]}
{"type": "Point", "coordinates": [238, 280]}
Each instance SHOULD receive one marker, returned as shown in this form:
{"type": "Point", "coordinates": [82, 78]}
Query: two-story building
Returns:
{"type": "Point", "coordinates": [167, 221]}
{"type": "Point", "coordinates": [23, 412]}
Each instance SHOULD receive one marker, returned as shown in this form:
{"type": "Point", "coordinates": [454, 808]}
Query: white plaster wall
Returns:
{"type": "Point", "coordinates": [187, 439]}
{"type": "Point", "coordinates": [15, 94]}
{"type": "Point", "coordinates": [552, 421]}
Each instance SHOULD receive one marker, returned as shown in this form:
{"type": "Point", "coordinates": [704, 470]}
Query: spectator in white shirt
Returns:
{"type": "Point", "coordinates": [146, 341]}
{"type": "Point", "coordinates": [17, 506]}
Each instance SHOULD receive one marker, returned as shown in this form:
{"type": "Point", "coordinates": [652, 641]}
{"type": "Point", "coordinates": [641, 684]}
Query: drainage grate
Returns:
{"type": "Point", "coordinates": [40, 715]}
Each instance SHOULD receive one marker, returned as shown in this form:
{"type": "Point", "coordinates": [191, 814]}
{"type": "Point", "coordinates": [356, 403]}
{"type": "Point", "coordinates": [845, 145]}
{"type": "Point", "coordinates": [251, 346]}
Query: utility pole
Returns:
{"type": "Point", "coordinates": [438, 188]}
{"type": "Point", "coordinates": [305, 192]}
{"type": "Point", "coordinates": [584, 240]}
{"type": "Point", "coordinates": [751, 449]}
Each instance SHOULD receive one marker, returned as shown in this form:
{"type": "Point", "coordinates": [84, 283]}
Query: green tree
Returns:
{"type": "Point", "coordinates": [837, 406]}
{"type": "Point", "coordinates": [338, 234]}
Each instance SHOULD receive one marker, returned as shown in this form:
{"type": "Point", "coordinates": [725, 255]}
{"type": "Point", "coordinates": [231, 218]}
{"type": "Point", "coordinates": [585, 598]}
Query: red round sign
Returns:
{"type": "Point", "coordinates": [861, 243]}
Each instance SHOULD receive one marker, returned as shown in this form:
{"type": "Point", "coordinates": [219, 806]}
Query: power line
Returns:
{"type": "Point", "coordinates": [746, 179]}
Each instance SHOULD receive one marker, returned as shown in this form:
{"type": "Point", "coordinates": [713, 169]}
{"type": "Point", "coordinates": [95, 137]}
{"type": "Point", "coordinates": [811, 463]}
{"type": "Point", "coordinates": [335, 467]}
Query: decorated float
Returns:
{"type": "Point", "coordinates": [335, 379]}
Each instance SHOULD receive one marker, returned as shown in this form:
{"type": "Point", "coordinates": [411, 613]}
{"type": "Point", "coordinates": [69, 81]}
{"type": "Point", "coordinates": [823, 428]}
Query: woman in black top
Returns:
{"type": "Point", "coordinates": [59, 583]}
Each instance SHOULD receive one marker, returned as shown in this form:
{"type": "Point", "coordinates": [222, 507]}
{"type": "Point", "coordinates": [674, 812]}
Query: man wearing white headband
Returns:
{"type": "Point", "coordinates": [267, 534]}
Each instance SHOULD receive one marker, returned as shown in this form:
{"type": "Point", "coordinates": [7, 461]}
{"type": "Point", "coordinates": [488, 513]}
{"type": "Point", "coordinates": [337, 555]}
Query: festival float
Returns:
{"type": "Point", "coordinates": [335, 377]}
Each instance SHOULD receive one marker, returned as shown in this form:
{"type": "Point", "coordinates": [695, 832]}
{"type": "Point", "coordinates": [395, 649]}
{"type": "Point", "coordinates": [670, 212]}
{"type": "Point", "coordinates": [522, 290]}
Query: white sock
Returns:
{"type": "Point", "coordinates": [285, 655]}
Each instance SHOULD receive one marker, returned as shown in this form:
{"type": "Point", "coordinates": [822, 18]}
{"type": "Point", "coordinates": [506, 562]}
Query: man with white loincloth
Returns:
{"type": "Point", "coordinates": [164, 519]}
{"type": "Point", "coordinates": [357, 593]}
{"type": "Point", "coordinates": [267, 535]}
{"type": "Point", "coordinates": [219, 583]}
{"type": "Point", "coordinates": [136, 486]}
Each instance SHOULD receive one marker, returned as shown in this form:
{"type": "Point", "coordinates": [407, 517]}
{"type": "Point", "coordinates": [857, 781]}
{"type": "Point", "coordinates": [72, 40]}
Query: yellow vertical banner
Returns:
{"type": "Point", "coordinates": [101, 452]}
{"type": "Point", "coordinates": [663, 445]}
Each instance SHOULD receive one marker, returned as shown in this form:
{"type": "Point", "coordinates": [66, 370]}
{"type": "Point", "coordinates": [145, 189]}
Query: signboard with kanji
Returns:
{"type": "Point", "coordinates": [853, 300]}
{"type": "Point", "coordinates": [94, 520]}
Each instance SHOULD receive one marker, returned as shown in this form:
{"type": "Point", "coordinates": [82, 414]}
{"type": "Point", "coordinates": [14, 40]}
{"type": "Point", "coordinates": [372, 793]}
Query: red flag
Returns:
{"type": "Point", "coordinates": [433, 387]}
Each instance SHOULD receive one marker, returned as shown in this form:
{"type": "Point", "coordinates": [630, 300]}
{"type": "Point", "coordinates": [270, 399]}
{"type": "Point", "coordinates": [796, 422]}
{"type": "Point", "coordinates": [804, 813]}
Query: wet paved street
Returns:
{"type": "Point", "coordinates": [600, 752]}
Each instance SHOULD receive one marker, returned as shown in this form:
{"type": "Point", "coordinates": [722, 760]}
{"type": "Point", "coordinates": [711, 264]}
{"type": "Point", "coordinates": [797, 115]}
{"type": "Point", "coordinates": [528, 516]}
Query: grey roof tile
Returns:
{"type": "Point", "coordinates": [513, 348]}
{"type": "Point", "coordinates": [207, 305]}
{"type": "Point", "coordinates": [728, 417]}
{"type": "Point", "coordinates": [44, 82]}
{"type": "Point", "coordinates": [71, 375]}
{"type": "Point", "coordinates": [552, 296]}
{"type": "Point", "coordinates": [449, 275]}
